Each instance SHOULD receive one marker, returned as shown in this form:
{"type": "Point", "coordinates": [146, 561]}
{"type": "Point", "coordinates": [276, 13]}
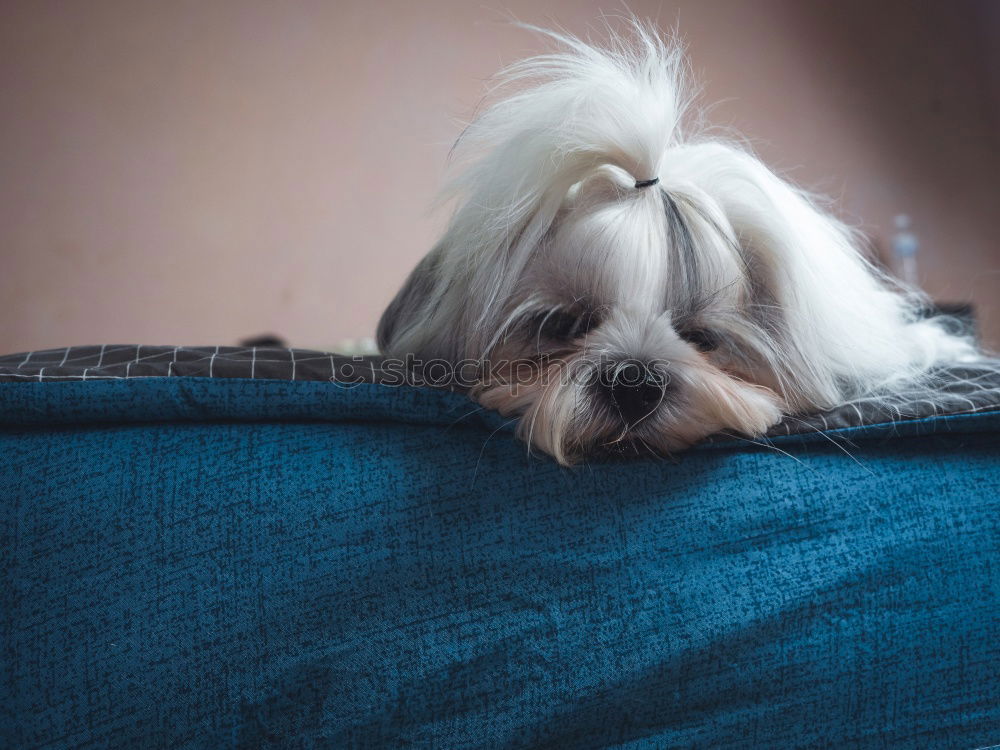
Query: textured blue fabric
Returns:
{"type": "Point", "coordinates": [204, 563]}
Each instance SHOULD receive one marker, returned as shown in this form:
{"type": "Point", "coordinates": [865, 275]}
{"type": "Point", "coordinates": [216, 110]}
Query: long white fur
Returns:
{"type": "Point", "coordinates": [547, 213]}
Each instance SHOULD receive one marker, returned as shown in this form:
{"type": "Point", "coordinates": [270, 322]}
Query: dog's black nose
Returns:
{"type": "Point", "coordinates": [634, 388]}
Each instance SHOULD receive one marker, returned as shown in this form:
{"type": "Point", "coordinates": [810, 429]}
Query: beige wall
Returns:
{"type": "Point", "coordinates": [199, 171]}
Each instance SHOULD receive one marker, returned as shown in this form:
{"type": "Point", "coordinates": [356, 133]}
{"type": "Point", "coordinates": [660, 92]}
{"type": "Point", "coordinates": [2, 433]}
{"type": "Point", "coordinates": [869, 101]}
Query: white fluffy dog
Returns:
{"type": "Point", "coordinates": [661, 285]}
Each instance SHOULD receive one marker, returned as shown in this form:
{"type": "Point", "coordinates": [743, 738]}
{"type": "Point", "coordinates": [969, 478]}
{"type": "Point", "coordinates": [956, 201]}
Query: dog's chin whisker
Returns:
{"type": "Point", "coordinates": [617, 441]}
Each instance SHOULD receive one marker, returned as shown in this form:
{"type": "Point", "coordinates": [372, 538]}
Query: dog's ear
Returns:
{"type": "Point", "coordinates": [844, 326]}
{"type": "Point", "coordinates": [410, 308]}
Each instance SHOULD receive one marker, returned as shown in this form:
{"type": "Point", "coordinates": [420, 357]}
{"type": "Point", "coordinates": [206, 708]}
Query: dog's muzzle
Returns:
{"type": "Point", "coordinates": [633, 387]}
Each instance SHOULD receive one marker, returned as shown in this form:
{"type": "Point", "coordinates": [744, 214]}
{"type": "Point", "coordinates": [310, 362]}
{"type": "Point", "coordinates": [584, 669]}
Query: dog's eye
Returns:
{"type": "Point", "coordinates": [562, 325]}
{"type": "Point", "coordinates": [701, 339]}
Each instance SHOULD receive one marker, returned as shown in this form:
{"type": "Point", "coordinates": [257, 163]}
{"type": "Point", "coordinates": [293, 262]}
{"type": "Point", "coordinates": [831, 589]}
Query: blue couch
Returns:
{"type": "Point", "coordinates": [268, 558]}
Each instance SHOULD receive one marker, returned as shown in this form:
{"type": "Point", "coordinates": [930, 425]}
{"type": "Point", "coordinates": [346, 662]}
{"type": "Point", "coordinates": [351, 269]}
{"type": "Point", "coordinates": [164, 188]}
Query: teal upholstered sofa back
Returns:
{"type": "Point", "coordinates": [233, 562]}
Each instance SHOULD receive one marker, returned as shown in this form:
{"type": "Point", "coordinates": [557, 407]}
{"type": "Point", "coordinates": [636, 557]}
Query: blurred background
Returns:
{"type": "Point", "coordinates": [197, 172]}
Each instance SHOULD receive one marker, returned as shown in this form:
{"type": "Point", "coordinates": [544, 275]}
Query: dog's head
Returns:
{"type": "Point", "coordinates": [620, 283]}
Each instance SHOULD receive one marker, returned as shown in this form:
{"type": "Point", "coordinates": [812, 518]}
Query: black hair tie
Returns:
{"type": "Point", "coordinates": [640, 184]}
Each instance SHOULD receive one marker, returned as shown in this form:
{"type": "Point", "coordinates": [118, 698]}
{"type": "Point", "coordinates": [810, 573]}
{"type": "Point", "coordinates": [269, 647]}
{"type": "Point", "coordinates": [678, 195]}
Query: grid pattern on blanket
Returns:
{"type": "Point", "coordinates": [964, 390]}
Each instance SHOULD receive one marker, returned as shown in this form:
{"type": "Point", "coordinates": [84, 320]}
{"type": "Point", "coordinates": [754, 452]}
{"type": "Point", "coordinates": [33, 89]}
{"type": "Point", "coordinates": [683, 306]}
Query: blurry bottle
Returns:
{"type": "Point", "coordinates": [905, 245]}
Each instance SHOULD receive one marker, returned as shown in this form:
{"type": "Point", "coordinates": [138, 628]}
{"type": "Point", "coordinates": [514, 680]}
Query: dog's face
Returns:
{"type": "Point", "coordinates": [622, 288]}
{"type": "Point", "coordinates": [644, 341]}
